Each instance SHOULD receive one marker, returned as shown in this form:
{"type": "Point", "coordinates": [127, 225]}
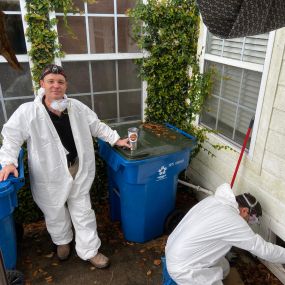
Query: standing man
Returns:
{"type": "Point", "coordinates": [58, 131]}
{"type": "Point", "coordinates": [196, 249]}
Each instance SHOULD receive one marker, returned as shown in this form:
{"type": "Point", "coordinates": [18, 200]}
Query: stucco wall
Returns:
{"type": "Point", "coordinates": [263, 174]}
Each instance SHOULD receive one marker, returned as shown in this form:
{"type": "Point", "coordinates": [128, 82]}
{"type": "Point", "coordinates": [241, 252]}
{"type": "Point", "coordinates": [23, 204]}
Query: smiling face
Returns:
{"type": "Point", "coordinates": [55, 86]}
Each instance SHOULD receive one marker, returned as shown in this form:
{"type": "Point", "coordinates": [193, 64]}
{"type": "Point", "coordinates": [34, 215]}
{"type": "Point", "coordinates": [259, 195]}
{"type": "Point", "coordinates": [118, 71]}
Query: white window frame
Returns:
{"type": "Point", "coordinates": [264, 69]}
{"type": "Point", "coordinates": [87, 57]}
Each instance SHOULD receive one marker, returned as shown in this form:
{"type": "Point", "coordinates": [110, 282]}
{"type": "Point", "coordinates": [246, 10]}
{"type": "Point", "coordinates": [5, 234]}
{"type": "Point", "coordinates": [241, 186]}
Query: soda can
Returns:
{"type": "Point", "coordinates": [133, 137]}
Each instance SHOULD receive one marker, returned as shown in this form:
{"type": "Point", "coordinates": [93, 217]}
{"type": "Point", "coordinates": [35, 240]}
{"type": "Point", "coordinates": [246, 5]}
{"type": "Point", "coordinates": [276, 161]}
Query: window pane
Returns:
{"type": "Point", "coordinates": [9, 5]}
{"type": "Point", "coordinates": [2, 119]}
{"type": "Point", "coordinates": [218, 68]}
{"type": "Point", "coordinates": [123, 5]}
{"type": "Point", "coordinates": [101, 7]}
{"type": "Point", "coordinates": [15, 83]}
{"type": "Point", "coordinates": [104, 76]}
{"type": "Point", "coordinates": [130, 105]}
{"type": "Point", "coordinates": [78, 80]}
{"type": "Point", "coordinates": [249, 49]}
{"type": "Point", "coordinates": [128, 75]}
{"type": "Point", "coordinates": [226, 119]}
{"type": "Point", "coordinates": [69, 44]}
{"type": "Point", "coordinates": [125, 43]}
{"type": "Point", "coordinates": [231, 80]}
{"type": "Point", "coordinates": [237, 89]}
{"type": "Point", "coordinates": [209, 113]}
{"type": "Point", "coordinates": [15, 32]}
{"type": "Point", "coordinates": [214, 45]}
{"type": "Point", "coordinates": [102, 35]}
{"type": "Point", "coordinates": [243, 120]}
{"type": "Point", "coordinates": [79, 4]}
{"type": "Point", "coordinates": [255, 48]}
{"type": "Point", "coordinates": [12, 105]}
{"type": "Point", "coordinates": [233, 48]}
{"type": "Point", "coordinates": [250, 89]}
{"type": "Point", "coordinates": [86, 99]}
{"type": "Point", "coordinates": [106, 106]}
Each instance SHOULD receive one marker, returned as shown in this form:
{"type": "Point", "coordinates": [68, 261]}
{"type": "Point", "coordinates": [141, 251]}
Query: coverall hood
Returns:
{"type": "Point", "coordinates": [225, 195]}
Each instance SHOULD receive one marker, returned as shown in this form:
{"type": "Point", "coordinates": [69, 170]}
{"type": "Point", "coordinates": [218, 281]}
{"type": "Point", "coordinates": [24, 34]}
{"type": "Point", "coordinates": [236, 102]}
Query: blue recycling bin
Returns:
{"type": "Point", "coordinates": [142, 183]}
{"type": "Point", "coordinates": [8, 202]}
{"type": "Point", "coordinates": [166, 279]}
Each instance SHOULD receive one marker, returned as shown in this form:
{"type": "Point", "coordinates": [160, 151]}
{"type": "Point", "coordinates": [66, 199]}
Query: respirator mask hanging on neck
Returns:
{"type": "Point", "coordinates": [59, 105]}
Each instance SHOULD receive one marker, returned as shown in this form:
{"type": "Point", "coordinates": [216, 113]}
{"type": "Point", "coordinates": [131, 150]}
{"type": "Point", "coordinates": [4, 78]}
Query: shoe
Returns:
{"type": "Point", "coordinates": [100, 261]}
{"type": "Point", "coordinates": [63, 251]}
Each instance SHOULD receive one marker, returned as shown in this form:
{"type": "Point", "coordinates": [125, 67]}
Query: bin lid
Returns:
{"type": "Point", "coordinates": [153, 140]}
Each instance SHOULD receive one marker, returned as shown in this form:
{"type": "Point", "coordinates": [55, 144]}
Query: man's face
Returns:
{"type": "Point", "coordinates": [55, 86]}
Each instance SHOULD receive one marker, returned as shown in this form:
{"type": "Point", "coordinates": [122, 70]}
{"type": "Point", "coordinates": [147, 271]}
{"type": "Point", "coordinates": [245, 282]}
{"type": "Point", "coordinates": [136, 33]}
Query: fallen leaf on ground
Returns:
{"type": "Point", "coordinates": [49, 279]}
{"type": "Point", "coordinates": [35, 273]}
{"type": "Point", "coordinates": [50, 255]}
{"type": "Point", "coordinates": [157, 262]}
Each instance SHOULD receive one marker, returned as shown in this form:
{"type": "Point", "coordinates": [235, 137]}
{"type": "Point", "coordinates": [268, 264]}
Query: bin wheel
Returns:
{"type": "Point", "coordinates": [15, 277]}
{"type": "Point", "coordinates": [173, 220]}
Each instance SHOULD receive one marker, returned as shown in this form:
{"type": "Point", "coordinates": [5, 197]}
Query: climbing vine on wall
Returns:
{"type": "Point", "coordinates": [41, 33]}
{"type": "Point", "coordinates": [176, 90]}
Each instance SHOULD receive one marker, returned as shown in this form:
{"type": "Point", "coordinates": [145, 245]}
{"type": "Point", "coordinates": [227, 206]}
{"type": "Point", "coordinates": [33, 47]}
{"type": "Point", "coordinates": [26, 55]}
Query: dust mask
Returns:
{"type": "Point", "coordinates": [252, 220]}
{"type": "Point", "coordinates": [59, 105]}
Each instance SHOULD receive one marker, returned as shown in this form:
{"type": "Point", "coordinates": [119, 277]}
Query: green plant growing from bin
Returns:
{"type": "Point", "coordinates": [168, 31]}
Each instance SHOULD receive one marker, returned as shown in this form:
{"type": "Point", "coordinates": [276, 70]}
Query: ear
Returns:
{"type": "Point", "coordinates": [243, 211]}
{"type": "Point", "coordinates": [41, 83]}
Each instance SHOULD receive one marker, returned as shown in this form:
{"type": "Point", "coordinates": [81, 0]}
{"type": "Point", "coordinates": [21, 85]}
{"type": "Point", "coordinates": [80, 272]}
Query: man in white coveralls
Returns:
{"type": "Point", "coordinates": [195, 250]}
{"type": "Point", "coordinates": [58, 131]}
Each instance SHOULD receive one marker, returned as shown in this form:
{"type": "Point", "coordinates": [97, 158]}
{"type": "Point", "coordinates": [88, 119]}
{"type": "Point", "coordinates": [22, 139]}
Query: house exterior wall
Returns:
{"type": "Point", "coordinates": [263, 173]}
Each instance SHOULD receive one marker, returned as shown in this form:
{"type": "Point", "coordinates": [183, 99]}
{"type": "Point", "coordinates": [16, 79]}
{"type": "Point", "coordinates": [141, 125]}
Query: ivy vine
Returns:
{"type": "Point", "coordinates": [168, 31]}
{"type": "Point", "coordinates": [41, 33]}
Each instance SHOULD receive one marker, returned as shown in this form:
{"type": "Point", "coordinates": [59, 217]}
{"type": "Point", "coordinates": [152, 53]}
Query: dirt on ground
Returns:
{"type": "Point", "coordinates": [131, 263]}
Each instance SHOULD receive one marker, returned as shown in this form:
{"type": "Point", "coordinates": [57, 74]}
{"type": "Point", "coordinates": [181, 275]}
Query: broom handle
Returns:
{"type": "Point", "coordinates": [242, 151]}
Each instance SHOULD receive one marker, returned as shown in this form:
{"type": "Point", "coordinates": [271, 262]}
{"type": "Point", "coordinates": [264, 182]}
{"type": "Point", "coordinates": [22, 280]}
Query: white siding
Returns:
{"type": "Point", "coordinates": [263, 174]}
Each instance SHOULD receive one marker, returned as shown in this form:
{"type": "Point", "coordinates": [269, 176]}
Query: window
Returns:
{"type": "Point", "coordinates": [15, 86]}
{"type": "Point", "coordinates": [98, 62]}
{"type": "Point", "coordinates": [239, 65]}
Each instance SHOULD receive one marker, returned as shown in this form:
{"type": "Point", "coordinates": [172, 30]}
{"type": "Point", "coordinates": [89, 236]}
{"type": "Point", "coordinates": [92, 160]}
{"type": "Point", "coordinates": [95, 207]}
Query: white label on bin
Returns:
{"type": "Point", "coordinates": [179, 161]}
{"type": "Point", "coordinates": [161, 173]}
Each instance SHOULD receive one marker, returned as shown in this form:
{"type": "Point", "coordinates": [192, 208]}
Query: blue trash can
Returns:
{"type": "Point", "coordinates": [8, 202]}
{"type": "Point", "coordinates": [166, 279]}
{"type": "Point", "coordinates": [142, 183]}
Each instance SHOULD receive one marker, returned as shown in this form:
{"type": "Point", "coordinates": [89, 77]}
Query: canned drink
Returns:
{"type": "Point", "coordinates": [133, 137]}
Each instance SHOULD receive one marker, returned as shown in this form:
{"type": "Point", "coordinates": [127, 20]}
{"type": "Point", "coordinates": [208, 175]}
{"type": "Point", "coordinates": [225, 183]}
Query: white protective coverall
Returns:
{"type": "Point", "coordinates": [197, 245]}
{"type": "Point", "coordinates": [51, 183]}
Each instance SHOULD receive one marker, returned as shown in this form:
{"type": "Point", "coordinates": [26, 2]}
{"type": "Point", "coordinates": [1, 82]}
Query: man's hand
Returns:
{"type": "Point", "coordinates": [123, 143]}
{"type": "Point", "coordinates": [6, 170]}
